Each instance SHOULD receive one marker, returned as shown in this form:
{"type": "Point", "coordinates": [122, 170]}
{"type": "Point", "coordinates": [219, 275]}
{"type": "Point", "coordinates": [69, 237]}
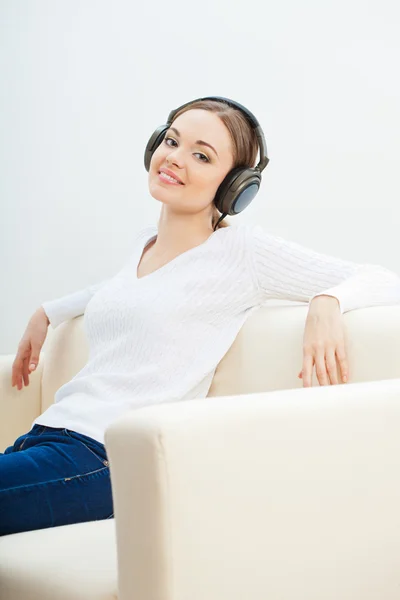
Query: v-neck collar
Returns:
{"type": "Point", "coordinates": [145, 241]}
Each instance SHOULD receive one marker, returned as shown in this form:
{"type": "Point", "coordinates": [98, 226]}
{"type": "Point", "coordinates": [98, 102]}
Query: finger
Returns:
{"type": "Point", "coordinates": [16, 370]}
{"type": "Point", "coordinates": [34, 359]}
{"type": "Point", "coordinates": [343, 363]}
{"type": "Point", "coordinates": [307, 370]}
{"type": "Point", "coordinates": [330, 361]}
{"type": "Point", "coordinates": [320, 368]}
{"type": "Point", "coordinates": [25, 371]}
{"type": "Point", "coordinates": [13, 373]}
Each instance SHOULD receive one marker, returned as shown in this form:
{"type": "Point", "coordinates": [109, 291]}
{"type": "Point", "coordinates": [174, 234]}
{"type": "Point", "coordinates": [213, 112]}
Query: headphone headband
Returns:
{"type": "Point", "coordinates": [264, 160]}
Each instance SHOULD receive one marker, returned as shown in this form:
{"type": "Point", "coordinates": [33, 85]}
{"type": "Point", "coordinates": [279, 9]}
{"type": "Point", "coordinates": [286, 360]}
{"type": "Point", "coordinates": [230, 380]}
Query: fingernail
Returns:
{"type": "Point", "coordinates": [32, 366]}
{"type": "Point", "coordinates": [344, 378]}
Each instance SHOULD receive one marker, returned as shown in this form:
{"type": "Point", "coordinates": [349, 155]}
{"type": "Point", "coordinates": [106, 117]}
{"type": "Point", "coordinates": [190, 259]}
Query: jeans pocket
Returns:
{"type": "Point", "coordinates": [19, 442]}
{"type": "Point", "coordinates": [35, 431]}
{"type": "Point", "coordinates": [77, 436]}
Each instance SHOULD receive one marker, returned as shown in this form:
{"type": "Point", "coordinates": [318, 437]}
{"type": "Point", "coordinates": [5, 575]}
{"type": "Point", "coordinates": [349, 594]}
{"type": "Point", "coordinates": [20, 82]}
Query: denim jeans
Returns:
{"type": "Point", "coordinates": [52, 476]}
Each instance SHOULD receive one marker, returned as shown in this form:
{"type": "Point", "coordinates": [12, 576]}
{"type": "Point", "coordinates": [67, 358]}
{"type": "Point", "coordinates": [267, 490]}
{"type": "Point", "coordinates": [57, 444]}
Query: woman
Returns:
{"type": "Point", "coordinates": [159, 328]}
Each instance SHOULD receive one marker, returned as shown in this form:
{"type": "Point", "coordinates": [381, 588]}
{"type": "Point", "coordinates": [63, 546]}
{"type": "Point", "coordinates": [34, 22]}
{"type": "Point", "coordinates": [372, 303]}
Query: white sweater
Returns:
{"type": "Point", "coordinates": [159, 338]}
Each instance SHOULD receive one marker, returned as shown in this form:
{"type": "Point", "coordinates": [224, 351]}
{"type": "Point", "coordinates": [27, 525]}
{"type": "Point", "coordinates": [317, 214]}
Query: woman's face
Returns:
{"type": "Point", "coordinates": [199, 167]}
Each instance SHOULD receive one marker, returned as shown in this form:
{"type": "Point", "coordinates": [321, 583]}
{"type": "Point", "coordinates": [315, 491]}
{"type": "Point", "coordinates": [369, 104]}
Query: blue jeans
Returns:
{"type": "Point", "coordinates": [52, 476]}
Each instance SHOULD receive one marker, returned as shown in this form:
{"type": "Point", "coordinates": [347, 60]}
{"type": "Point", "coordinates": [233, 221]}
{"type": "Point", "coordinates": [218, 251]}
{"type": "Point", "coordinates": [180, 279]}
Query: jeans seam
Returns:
{"type": "Point", "coordinates": [84, 474]}
{"type": "Point", "coordinates": [41, 483]}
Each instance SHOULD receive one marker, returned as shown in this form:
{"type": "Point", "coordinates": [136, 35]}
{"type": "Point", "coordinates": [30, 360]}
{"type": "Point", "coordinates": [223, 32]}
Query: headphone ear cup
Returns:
{"type": "Point", "coordinates": [153, 143]}
{"type": "Point", "coordinates": [237, 190]}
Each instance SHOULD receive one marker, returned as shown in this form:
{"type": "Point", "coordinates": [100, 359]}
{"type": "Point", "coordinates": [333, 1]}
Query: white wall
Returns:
{"type": "Point", "coordinates": [84, 84]}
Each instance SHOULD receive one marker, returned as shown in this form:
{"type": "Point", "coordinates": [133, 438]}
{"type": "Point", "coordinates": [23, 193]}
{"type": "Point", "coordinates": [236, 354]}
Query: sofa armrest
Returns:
{"type": "Point", "coordinates": [18, 408]}
{"type": "Point", "coordinates": [284, 494]}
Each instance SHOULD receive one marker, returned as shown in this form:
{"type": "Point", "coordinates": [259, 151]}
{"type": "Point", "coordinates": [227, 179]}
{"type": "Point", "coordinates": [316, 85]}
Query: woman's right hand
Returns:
{"type": "Point", "coordinates": [29, 348]}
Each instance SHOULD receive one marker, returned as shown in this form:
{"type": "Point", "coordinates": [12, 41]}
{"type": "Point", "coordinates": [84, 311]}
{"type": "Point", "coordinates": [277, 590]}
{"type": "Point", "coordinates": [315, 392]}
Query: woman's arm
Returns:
{"type": "Point", "coordinates": [70, 306]}
{"type": "Point", "coordinates": [286, 270]}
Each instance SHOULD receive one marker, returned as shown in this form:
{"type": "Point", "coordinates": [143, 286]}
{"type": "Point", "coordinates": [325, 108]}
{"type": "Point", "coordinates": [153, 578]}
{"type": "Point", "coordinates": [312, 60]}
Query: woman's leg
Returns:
{"type": "Point", "coordinates": [51, 477]}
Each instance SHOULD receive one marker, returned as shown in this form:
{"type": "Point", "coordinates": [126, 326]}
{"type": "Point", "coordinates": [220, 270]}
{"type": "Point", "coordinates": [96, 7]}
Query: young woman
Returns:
{"type": "Point", "coordinates": [159, 328]}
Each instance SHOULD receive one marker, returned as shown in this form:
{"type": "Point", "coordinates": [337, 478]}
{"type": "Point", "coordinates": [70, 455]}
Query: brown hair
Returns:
{"type": "Point", "coordinates": [244, 140]}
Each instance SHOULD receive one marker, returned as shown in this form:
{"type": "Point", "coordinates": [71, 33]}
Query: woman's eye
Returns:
{"type": "Point", "coordinates": [203, 156]}
{"type": "Point", "coordinates": [168, 138]}
{"type": "Point", "coordinates": [199, 153]}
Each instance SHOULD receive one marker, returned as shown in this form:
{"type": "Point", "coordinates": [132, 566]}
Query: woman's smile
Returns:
{"type": "Point", "coordinates": [167, 179]}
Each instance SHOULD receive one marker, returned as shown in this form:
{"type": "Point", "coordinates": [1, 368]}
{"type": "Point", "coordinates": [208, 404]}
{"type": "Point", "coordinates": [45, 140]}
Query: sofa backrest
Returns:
{"type": "Point", "coordinates": [266, 355]}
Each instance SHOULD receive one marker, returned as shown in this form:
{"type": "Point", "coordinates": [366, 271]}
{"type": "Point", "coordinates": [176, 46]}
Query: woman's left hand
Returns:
{"type": "Point", "coordinates": [323, 342]}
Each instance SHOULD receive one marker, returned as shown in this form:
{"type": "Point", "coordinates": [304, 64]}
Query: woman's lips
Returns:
{"type": "Point", "coordinates": [166, 180]}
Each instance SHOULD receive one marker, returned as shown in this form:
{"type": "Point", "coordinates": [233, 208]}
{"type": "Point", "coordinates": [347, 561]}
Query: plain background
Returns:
{"type": "Point", "coordinates": [85, 83]}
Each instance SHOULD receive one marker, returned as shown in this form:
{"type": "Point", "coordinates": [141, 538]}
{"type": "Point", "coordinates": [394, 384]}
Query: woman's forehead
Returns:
{"type": "Point", "coordinates": [205, 125]}
{"type": "Point", "coordinates": [194, 122]}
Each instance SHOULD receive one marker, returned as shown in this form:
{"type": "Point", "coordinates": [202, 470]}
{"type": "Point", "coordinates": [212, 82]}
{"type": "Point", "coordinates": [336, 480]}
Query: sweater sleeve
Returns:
{"type": "Point", "coordinates": [70, 306]}
{"type": "Point", "coordinates": [286, 270]}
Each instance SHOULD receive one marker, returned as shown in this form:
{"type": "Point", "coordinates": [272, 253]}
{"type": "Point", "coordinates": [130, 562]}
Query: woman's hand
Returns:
{"type": "Point", "coordinates": [323, 342]}
{"type": "Point", "coordinates": [29, 348]}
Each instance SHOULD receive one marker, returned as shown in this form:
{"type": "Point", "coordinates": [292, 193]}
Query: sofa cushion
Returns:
{"type": "Point", "coordinates": [69, 562]}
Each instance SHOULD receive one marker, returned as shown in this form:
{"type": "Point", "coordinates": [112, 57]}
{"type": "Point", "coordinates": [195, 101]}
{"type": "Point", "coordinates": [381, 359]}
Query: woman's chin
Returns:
{"type": "Point", "coordinates": [163, 190]}
{"type": "Point", "coordinates": [160, 195]}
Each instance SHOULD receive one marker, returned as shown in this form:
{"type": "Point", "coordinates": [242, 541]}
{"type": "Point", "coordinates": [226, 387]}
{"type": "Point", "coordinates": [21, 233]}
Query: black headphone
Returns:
{"type": "Point", "coordinates": [241, 184]}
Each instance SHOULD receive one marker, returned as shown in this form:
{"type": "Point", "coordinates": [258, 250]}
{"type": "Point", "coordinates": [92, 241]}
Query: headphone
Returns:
{"type": "Point", "coordinates": [241, 184]}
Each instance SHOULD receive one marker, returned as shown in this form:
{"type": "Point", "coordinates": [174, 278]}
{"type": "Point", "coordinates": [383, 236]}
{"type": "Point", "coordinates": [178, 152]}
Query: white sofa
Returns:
{"type": "Point", "coordinates": [265, 490]}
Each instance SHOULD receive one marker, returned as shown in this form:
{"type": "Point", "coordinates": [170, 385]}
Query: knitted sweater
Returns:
{"type": "Point", "coordinates": [160, 337]}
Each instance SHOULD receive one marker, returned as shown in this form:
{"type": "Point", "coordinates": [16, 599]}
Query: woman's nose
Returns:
{"type": "Point", "coordinates": [174, 156]}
